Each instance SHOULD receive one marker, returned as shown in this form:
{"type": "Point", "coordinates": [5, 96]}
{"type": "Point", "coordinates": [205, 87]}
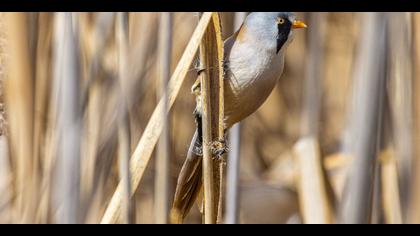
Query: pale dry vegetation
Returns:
{"type": "Point", "coordinates": [83, 107]}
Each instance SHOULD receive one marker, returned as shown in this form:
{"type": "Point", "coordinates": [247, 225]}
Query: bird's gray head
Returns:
{"type": "Point", "coordinates": [275, 29]}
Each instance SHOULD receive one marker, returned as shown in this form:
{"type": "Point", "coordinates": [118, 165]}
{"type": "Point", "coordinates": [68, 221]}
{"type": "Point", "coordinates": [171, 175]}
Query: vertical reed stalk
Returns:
{"type": "Point", "coordinates": [232, 179]}
{"type": "Point", "coordinates": [414, 209]}
{"type": "Point", "coordinates": [18, 89]}
{"type": "Point", "coordinates": [400, 74]}
{"type": "Point", "coordinates": [313, 198]}
{"type": "Point", "coordinates": [68, 115]}
{"type": "Point", "coordinates": [124, 148]}
{"type": "Point", "coordinates": [369, 78]}
{"type": "Point", "coordinates": [211, 57]}
{"type": "Point", "coordinates": [162, 184]}
{"type": "Point", "coordinates": [142, 154]}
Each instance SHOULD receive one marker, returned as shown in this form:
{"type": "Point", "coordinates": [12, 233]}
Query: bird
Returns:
{"type": "Point", "coordinates": [253, 63]}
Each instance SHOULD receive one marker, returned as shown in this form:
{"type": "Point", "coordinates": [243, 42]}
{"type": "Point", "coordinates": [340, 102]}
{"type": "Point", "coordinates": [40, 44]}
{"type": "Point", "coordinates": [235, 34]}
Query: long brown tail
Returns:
{"type": "Point", "coordinates": [189, 182]}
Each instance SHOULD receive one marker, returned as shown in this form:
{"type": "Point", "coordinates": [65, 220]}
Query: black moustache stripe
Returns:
{"type": "Point", "coordinates": [283, 34]}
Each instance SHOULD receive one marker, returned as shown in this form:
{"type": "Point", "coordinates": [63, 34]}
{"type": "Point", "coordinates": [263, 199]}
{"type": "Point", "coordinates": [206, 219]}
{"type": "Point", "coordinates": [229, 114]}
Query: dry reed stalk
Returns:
{"type": "Point", "coordinates": [368, 94]}
{"type": "Point", "coordinates": [414, 208]}
{"type": "Point", "coordinates": [390, 188]}
{"type": "Point", "coordinates": [142, 154]}
{"type": "Point", "coordinates": [335, 165]}
{"type": "Point", "coordinates": [400, 92]}
{"type": "Point", "coordinates": [5, 167]}
{"type": "Point", "coordinates": [124, 148]}
{"type": "Point", "coordinates": [313, 75]}
{"type": "Point", "coordinates": [67, 108]}
{"type": "Point", "coordinates": [232, 178]}
{"type": "Point", "coordinates": [162, 174]}
{"type": "Point", "coordinates": [18, 89]}
{"type": "Point", "coordinates": [313, 197]}
{"type": "Point", "coordinates": [95, 45]}
{"type": "Point", "coordinates": [143, 33]}
{"type": "Point", "coordinates": [211, 58]}
{"type": "Point", "coordinates": [43, 80]}
{"type": "Point", "coordinates": [142, 55]}
{"type": "Point", "coordinates": [5, 182]}
{"type": "Point", "coordinates": [104, 99]}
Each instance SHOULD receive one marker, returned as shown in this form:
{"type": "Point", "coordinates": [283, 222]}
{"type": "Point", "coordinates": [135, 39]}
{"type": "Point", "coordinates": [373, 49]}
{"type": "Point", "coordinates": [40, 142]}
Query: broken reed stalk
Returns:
{"type": "Point", "coordinates": [124, 148]}
{"type": "Point", "coordinates": [313, 199]}
{"type": "Point", "coordinates": [390, 188]}
{"type": "Point", "coordinates": [232, 178]}
{"type": "Point", "coordinates": [211, 57]}
{"type": "Point", "coordinates": [368, 88]}
{"type": "Point", "coordinates": [142, 154]}
{"type": "Point", "coordinates": [315, 205]}
{"type": "Point", "coordinates": [162, 174]}
{"type": "Point", "coordinates": [18, 89]}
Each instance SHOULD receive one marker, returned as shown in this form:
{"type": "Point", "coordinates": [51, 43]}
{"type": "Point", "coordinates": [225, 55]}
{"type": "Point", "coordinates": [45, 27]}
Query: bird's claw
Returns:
{"type": "Point", "coordinates": [218, 148]}
{"type": "Point", "coordinates": [199, 70]}
{"type": "Point", "coordinates": [225, 65]}
{"type": "Point", "coordinates": [198, 150]}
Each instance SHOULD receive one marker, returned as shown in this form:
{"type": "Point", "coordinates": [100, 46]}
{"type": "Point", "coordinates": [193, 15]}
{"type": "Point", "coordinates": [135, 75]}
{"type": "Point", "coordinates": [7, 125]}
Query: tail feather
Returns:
{"type": "Point", "coordinates": [189, 183]}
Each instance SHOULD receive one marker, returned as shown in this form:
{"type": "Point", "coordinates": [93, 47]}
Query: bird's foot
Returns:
{"type": "Point", "coordinates": [218, 148]}
{"type": "Point", "coordinates": [198, 150]}
{"type": "Point", "coordinates": [199, 68]}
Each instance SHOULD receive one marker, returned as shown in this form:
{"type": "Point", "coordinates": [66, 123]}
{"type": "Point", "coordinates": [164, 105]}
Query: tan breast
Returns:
{"type": "Point", "coordinates": [244, 97]}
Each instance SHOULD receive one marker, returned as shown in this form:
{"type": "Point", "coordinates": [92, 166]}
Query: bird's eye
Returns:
{"type": "Point", "coordinates": [280, 21]}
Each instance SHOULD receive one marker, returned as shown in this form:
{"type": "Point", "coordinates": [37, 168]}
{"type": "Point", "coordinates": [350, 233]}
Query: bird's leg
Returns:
{"type": "Point", "coordinates": [198, 146]}
{"type": "Point", "coordinates": [225, 66]}
{"type": "Point", "coordinates": [218, 148]}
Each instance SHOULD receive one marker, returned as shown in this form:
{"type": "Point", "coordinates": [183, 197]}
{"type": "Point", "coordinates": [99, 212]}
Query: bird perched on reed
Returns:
{"type": "Point", "coordinates": [254, 60]}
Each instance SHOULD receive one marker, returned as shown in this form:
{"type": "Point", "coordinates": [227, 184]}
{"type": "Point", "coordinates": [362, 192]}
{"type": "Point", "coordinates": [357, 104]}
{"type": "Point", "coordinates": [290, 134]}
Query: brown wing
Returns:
{"type": "Point", "coordinates": [188, 185]}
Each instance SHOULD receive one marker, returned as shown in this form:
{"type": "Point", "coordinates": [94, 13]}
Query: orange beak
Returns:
{"type": "Point", "coordinates": [297, 24]}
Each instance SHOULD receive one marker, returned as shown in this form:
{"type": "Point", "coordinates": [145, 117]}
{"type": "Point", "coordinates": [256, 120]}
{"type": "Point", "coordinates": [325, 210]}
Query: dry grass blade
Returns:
{"type": "Point", "coordinates": [141, 156]}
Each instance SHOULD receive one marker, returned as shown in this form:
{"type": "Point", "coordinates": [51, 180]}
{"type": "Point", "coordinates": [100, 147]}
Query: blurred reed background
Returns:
{"type": "Point", "coordinates": [336, 142]}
